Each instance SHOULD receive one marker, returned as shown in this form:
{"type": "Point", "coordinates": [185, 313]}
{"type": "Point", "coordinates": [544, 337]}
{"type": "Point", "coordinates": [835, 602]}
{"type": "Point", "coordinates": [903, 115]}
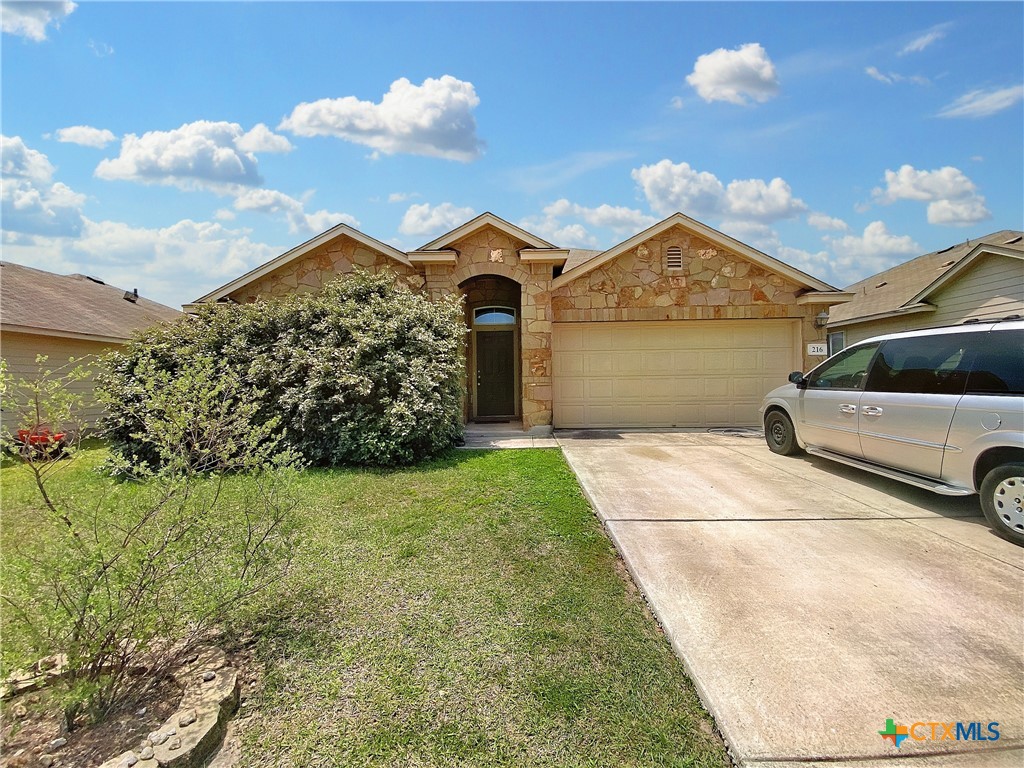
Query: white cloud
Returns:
{"type": "Point", "coordinates": [30, 20]}
{"type": "Point", "coordinates": [892, 78]}
{"type": "Point", "coordinates": [876, 249]}
{"type": "Point", "coordinates": [617, 218]}
{"type": "Point", "coordinates": [671, 187]}
{"type": "Point", "coordinates": [202, 154]}
{"type": "Point", "coordinates": [879, 76]}
{"type": "Point", "coordinates": [101, 49]}
{"type": "Point", "coordinates": [563, 234]}
{"type": "Point", "coordinates": [825, 223]}
{"type": "Point", "coordinates": [753, 199]}
{"type": "Point", "coordinates": [676, 102]}
{"type": "Point", "coordinates": [982, 103]}
{"type": "Point", "coordinates": [422, 219]}
{"type": "Point", "coordinates": [262, 139]}
{"type": "Point", "coordinates": [172, 264]}
{"type": "Point", "coordinates": [921, 42]}
{"type": "Point", "coordinates": [952, 197]}
{"type": "Point", "coordinates": [272, 201]}
{"type": "Point", "coordinates": [32, 203]}
{"type": "Point", "coordinates": [735, 76]}
{"type": "Point", "coordinates": [401, 197]}
{"type": "Point", "coordinates": [553, 226]}
{"type": "Point", "coordinates": [224, 214]}
{"type": "Point", "coordinates": [434, 119]}
{"type": "Point", "coordinates": [86, 136]}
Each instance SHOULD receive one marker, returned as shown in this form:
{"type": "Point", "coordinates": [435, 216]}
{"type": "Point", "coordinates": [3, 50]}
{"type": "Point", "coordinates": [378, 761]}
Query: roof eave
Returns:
{"type": "Point", "coordinates": [909, 309]}
{"type": "Point", "coordinates": [61, 333]}
{"type": "Point", "coordinates": [480, 221]}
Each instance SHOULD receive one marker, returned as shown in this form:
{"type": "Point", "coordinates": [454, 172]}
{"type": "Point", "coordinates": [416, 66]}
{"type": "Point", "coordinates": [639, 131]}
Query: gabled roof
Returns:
{"type": "Point", "coordinates": [905, 287]}
{"type": "Point", "coordinates": [72, 306]}
{"type": "Point", "coordinates": [483, 220]}
{"type": "Point", "coordinates": [300, 251]}
{"type": "Point", "coordinates": [582, 267]}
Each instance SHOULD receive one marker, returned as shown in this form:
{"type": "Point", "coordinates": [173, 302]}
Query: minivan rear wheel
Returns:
{"type": "Point", "coordinates": [1002, 501]}
{"type": "Point", "coordinates": [779, 434]}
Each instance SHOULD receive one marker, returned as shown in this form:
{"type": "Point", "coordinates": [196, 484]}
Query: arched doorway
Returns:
{"type": "Point", "coordinates": [492, 363]}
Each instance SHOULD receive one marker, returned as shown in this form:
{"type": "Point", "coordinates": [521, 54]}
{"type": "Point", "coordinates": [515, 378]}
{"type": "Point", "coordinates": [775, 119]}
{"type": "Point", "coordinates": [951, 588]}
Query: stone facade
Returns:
{"type": "Point", "coordinates": [713, 284]}
{"type": "Point", "coordinates": [487, 267]}
{"type": "Point", "coordinates": [310, 272]}
{"type": "Point", "coordinates": [490, 251]}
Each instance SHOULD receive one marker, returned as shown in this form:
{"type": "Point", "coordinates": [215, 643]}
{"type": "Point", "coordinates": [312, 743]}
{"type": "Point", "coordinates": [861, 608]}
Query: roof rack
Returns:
{"type": "Point", "coordinates": [976, 320]}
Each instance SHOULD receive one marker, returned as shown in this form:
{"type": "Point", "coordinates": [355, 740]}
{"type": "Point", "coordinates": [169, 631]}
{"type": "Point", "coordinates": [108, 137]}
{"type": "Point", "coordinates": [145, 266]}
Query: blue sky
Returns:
{"type": "Point", "coordinates": [173, 146]}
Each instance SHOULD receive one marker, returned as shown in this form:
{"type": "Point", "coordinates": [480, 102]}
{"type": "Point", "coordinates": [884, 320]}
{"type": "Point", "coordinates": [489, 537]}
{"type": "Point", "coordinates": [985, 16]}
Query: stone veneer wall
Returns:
{"type": "Point", "coordinates": [318, 267]}
{"type": "Point", "coordinates": [713, 284]}
{"type": "Point", "coordinates": [489, 251]}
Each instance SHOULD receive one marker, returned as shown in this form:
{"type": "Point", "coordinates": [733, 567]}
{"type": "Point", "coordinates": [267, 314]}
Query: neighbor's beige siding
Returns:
{"type": "Point", "coordinates": [20, 351]}
{"type": "Point", "coordinates": [991, 288]}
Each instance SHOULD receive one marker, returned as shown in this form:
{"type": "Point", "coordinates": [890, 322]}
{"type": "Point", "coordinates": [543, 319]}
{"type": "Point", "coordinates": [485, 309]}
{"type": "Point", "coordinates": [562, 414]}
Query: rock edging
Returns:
{"type": "Point", "coordinates": [189, 736]}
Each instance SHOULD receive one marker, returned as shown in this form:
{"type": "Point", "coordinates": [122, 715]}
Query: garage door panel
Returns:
{"type": "Point", "coordinates": [672, 373]}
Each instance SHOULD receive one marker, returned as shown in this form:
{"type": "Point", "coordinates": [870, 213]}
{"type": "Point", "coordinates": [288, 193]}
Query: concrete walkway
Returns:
{"type": "Point", "coordinates": [811, 602]}
{"type": "Point", "coordinates": [505, 435]}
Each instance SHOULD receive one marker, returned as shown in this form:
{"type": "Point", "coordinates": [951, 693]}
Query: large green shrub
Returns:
{"type": "Point", "coordinates": [365, 372]}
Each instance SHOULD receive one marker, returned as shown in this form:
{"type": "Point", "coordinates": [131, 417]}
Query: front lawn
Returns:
{"type": "Point", "coordinates": [467, 611]}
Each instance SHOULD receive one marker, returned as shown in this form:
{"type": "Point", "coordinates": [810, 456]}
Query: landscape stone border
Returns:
{"type": "Point", "coordinates": [191, 735]}
{"type": "Point", "coordinates": [187, 739]}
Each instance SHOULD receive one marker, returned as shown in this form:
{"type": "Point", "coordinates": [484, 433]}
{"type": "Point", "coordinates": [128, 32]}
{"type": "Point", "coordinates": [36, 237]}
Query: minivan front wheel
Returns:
{"type": "Point", "coordinates": [1002, 500]}
{"type": "Point", "coordinates": [779, 434]}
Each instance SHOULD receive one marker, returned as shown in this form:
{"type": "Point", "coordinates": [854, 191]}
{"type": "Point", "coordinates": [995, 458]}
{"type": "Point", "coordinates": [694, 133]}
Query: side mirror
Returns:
{"type": "Point", "coordinates": [796, 377]}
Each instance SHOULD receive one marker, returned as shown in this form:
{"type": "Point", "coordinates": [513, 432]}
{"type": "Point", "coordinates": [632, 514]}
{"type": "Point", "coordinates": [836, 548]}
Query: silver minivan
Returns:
{"type": "Point", "coordinates": [941, 409]}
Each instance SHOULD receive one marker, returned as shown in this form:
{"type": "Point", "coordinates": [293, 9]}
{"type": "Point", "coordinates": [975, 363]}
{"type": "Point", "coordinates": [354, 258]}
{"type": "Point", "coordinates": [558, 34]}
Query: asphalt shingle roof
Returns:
{"type": "Point", "coordinates": [889, 290]}
{"type": "Point", "coordinates": [73, 304]}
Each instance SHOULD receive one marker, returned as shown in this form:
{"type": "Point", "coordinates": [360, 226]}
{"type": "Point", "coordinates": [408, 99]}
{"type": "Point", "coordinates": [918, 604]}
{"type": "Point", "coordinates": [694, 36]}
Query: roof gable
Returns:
{"type": "Point", "coordinates": [706, 232]}
{"type": "Point", "coordinates": [485, 219]}
{"type": "Point", "coordinates": [954, 272]}
{"type": "Point", "coordinates": [903, 287]}
{"type": "Point", "coordinates": [298, 252]}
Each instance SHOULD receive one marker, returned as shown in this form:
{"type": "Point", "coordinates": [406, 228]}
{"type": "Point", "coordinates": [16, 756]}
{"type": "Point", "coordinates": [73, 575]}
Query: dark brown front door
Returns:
{"type": "Point", "coordinates": [495, 373]}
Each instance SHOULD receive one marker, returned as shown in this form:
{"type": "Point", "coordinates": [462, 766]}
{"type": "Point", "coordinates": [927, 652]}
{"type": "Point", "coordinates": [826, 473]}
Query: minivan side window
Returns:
{"type": "Point", "coordinates": [999, 364]}
{"type": "Point", "coordinates": [929, 365]}
{"type": "Point", "coordinates": [844, 371]}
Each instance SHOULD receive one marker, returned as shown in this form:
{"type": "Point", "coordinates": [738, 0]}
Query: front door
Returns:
{"type": "Point", "coordinates": [495, 373]}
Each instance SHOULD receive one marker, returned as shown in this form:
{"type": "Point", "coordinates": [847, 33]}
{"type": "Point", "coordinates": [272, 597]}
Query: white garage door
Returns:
{"type": "Point", "coordinates": [697, 373]}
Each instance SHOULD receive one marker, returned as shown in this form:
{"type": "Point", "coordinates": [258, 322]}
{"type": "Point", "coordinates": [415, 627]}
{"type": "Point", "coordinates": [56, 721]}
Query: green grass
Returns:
{"type": "Point", "coordinates": [468, 611]}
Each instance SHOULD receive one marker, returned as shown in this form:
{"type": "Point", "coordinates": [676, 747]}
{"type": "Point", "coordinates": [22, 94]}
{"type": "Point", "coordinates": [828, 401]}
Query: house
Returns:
{"type": "Point", "coordinates": [64, 316]}
{"type": "Point", "coordinates": [980, 279]}
{"type": "Point", "coordinates": [678, 326]}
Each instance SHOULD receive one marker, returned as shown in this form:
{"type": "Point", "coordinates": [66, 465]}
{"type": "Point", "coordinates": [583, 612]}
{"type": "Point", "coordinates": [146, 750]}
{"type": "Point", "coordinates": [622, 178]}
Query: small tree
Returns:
{"type": "Point", "coordinates": [136, 575]}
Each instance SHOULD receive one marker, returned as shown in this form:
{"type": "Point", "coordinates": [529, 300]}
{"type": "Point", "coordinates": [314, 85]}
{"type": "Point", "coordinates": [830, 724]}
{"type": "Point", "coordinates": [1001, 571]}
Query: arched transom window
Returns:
{"type": "Point", "coordinates": [494, 316]}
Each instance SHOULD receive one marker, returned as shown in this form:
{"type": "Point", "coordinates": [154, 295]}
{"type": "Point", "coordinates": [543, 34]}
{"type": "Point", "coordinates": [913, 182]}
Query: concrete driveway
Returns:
{"type": "Point", "coordinates": [811, 602]}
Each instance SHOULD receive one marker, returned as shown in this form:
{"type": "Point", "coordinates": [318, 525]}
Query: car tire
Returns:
{"type": "Point", "coordinates": [780, 434]}
{"type": "Point", "coordinates": [1002, 501]}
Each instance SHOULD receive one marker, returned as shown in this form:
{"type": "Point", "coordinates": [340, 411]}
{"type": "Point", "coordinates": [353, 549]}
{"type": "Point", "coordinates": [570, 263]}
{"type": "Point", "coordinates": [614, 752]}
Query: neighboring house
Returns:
{"type": "Point", "coordinates": [64, 316]}
{"type": "Point", "coordinates": [679, 325]}
{"type": "Point", "coordinates": [981, 279]}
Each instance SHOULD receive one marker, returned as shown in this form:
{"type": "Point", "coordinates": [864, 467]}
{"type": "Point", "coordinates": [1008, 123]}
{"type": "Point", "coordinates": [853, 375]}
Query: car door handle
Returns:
{"type": "Point", "coordinates": [847, 408]}
{"type": "Point", "coordinates": [871, 410]}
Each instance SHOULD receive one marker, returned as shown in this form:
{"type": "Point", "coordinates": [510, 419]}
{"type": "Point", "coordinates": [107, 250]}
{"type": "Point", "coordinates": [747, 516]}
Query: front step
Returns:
{"type": "Point", "coordinates": [904, 477]}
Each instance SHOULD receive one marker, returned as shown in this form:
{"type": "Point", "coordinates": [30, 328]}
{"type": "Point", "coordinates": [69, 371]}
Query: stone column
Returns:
{"type": "Point", "coordinates": [536, 349]}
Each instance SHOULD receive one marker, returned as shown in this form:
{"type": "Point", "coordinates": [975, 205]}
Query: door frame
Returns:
{"type": "Point", "coordinates": [516, 386]}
